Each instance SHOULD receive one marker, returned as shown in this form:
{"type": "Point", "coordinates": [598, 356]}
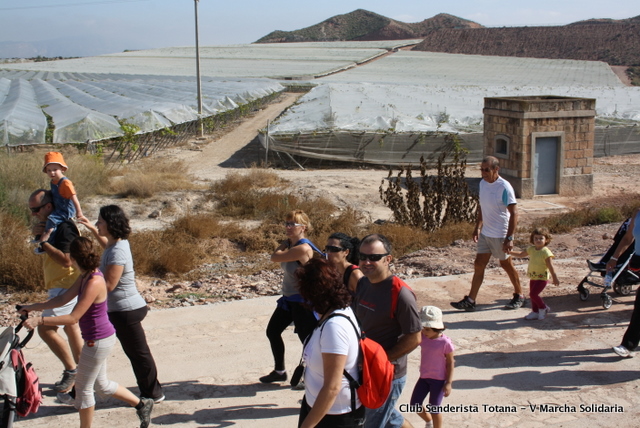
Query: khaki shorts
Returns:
{"type": "Point", "coordinates": [488, 245]}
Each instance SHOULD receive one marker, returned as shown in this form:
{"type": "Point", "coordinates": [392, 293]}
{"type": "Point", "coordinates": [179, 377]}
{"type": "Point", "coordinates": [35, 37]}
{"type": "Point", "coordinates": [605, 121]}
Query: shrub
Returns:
{"type": "Point", "coordinates": [19, 267]}
{"type": "Point", "coordinates": [146, 178]}
{"type": "Point", "coordinates": [434, 201]}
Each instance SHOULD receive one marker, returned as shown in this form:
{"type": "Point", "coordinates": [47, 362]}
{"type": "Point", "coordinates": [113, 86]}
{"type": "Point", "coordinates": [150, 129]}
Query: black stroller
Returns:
{"type": "Point", "coordinates": [623, 278]}
{"type": "Point", "coordinates": [10, 379]}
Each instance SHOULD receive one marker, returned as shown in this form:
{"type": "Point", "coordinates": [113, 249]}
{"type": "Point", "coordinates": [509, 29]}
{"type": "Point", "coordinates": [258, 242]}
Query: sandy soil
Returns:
{"type": "Point", "coordinates": [210, 356]}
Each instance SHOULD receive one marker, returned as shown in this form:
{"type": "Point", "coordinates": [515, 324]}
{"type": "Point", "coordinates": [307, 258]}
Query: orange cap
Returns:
{"type": "Point", "coordinates": [54, 157]}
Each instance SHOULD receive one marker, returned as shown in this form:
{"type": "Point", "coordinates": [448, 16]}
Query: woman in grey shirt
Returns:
{"type": "Point", "coordinates": [127, 308]}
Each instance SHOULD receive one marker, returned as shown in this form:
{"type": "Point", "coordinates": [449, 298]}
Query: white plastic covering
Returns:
{"type": "Point", "coordinates": [88, 106]}
{"type": "Point", "coordinates": [417, 108]}
{"type": "Point", "coordinates": [21, 119]}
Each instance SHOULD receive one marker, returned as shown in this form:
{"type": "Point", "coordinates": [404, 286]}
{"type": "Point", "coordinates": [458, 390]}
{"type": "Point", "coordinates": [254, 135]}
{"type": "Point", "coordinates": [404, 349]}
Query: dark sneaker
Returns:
{"type": "Point", "coordinates": [66, 383]}
{"type": "Point", "coordinates": [515, 303]}
{"type": "Point", "coordinates": [274, 376]}
{"type": "Point", "coordinates": [464, 304]}
{"type": "Point", "coordinates": [144, 413]}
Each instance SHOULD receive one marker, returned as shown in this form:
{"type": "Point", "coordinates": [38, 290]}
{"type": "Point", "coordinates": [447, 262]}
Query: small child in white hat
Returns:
{"type": "Point", "coordinates": [436, 367]}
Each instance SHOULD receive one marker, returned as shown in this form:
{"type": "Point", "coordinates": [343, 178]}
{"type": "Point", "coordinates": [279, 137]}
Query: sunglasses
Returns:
{"type": "Point", "coordinates": [372, 257]}
{"type": "Point", "coordinates": [291, 224]}
{"type": "Point", "coordinates": [37, 209]}
{"type": "Point", "coordinates": [333, 249]}
{"type": "Point", "coordinates": [485, 169]}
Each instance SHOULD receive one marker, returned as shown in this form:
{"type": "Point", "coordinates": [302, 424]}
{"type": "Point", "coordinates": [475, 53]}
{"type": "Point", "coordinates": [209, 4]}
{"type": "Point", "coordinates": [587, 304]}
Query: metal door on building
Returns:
{"type": "Point", "coordinates": [545, 167]}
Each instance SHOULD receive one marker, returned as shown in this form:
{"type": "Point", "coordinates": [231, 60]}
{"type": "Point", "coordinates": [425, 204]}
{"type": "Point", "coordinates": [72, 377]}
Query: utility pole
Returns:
{"type": "Point", "coordinates": [200, 127]}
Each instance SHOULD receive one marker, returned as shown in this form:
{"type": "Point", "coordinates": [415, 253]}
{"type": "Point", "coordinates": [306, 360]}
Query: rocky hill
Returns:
{"type": "Point", "coordinates": [616, 42]}
{"type": "Point", "coordinates": [361, 25]}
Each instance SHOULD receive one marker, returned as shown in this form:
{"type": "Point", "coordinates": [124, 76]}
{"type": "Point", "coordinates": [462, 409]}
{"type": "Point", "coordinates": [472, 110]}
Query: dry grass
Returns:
{"type": "Point", "coordinates": [18, 265]}
{"type": "Point", "coordinates": [407, 239]}
{"type": "Point", "coordinates": [612, 210]}
{"type": "Point", "coordinates": [146, 178]}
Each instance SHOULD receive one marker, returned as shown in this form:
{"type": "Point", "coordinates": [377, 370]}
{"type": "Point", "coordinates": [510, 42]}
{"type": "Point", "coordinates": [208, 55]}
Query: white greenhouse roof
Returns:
{"type": "Point", "coordinates": [377, 107]}
{"type": "Point", "coordinates": [252, 60]}
{"type": "Point", "coordinates": [442, 69]}
{"type": "Point", "coordinates": [88, 106]}
{"type": "Point", "coordinates": [402, 91]}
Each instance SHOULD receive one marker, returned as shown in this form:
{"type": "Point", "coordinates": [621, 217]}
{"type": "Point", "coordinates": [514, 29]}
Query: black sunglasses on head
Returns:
{"type": "Point", "coordinates": [333, 249]}
{"type": "Point", "coordinates": [372, 257]}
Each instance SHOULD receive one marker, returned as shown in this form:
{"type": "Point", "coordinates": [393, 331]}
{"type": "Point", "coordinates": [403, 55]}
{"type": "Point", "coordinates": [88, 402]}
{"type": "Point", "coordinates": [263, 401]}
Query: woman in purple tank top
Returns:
{"type": "Point", "coordinates": [98, 334]}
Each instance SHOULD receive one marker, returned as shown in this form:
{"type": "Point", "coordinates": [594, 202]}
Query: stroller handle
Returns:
{"type": "Point", "coordinates": [23, 318]}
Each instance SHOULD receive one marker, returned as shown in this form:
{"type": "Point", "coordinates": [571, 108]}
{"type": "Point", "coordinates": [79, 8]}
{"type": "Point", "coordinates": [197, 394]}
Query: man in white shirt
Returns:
{"type": "Point", "coordinates": [496, 222]}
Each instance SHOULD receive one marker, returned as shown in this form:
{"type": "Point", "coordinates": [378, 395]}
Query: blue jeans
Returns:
{"type": "Point", "coordinates": [387, 415]}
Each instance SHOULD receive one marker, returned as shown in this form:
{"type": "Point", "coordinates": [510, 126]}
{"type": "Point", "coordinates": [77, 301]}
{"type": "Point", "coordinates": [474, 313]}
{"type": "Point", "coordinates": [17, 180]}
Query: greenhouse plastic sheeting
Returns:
{"type": "Point", "coordinates": [21, 118]}
{"type": "Point", "coordinates": [89, 106]}
{"type": "Point", "coordinates": [392, 124]}
{"type": "Point", "coordinates": [420, 108]}
{"type": "Point", "coordinates": [73, 122]}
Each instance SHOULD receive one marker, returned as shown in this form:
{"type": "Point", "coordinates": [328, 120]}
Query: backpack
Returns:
{"type": "Point", "coordinates": [375, 371]}
{"type": "Point", "coordinates": [29, 396]}
{"type": "Point", "coordinates": [396, 286]}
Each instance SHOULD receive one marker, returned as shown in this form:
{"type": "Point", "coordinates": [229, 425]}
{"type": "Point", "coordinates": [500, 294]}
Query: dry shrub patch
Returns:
{"type": "Point", "coordinates": [611, 210]}
{"type": "Point", "coordinates": [18, 265]}
{"type": "Point", "coordinates": [145, 179]}
{"type": "Point", "coordinates": [407, 239]}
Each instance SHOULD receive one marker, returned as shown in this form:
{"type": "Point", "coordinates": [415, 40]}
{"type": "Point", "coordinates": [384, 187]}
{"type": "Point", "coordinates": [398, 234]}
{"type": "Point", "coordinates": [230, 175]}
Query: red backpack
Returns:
{"type": "Point", "coordinates": [375, 371]}
{"type": "Point", "coordinates": [29, 396]}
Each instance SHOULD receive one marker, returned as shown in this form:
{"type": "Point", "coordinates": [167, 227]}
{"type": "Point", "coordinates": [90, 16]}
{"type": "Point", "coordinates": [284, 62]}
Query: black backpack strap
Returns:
{"type": "Point", "coordinates": [353, 384]}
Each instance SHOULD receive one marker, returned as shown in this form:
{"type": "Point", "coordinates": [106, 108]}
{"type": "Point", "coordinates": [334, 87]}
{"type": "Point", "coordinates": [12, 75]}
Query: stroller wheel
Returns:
{"type": "Point", "coordinates": [624, 290]}
{"type": "Point", "coordinates": [606, 302]}
{"type": "Point", "coordinates": [584, 294]}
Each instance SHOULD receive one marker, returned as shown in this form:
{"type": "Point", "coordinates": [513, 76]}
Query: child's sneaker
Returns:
{"type": "Point", "coordinates": [531, 316]}
{"type": "Point", "coordinates": [543, 312]}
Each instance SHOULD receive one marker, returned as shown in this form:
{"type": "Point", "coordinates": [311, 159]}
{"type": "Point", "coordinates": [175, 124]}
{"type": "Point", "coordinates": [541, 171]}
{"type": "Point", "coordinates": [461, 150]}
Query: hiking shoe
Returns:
{"type": "Point", "coordinates": [515, 303]}
{"type": "Point", "coordinates": [274, 376]}
{"type": "Point", "coordinates": [144, 413]}
{"type": "Point", "coordinates": [67, 381]}
{"type": "Point", "coordinates": [622, 351]}
{"type": "Point", "coordinates": [65, 398]}
{"type": "Point", "coordinates": [464, 304]}
{"type": "Point", "coordinates": [299, 386]}
{"type": "Point", "coordinates": [531, 316]}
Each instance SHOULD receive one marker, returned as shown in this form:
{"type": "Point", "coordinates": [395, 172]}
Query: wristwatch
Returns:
{"type": "Point", "coordinates": [509, 238]}
{"type": "Point", "coordinates": [41, 245]}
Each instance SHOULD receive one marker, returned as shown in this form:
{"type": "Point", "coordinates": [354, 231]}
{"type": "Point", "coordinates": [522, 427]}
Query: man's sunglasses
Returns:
{"type": "Point", "coordinates": [372, 257]}
{"type": "Point", "coordinates": [333, 249]}
{"type": "Point", "coordinates": [485, 169]}
{"type": "Point", "coordinates": [37, 209]}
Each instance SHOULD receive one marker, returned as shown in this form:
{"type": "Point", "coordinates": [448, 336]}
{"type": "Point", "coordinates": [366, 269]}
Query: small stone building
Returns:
{"type": "Point", "coordinates": [544, 143]}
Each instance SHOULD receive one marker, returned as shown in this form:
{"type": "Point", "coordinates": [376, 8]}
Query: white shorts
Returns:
{"type": "Point", "coordinates": [62, 310]}
{"type": "Point", "coordinates": [492, 245]}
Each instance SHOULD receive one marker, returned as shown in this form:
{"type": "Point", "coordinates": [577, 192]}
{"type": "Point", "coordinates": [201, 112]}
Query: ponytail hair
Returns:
{"type": "Point", "coordinates": [348, 243]}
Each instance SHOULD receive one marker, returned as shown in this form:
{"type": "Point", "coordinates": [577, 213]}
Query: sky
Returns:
{"type": "Point", "coordinates": [116, 25]}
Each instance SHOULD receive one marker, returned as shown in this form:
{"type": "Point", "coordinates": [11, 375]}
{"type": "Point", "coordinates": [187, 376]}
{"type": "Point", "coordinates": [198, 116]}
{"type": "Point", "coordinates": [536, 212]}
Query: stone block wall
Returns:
{"type": "Point", "coordinates": [520, 120]}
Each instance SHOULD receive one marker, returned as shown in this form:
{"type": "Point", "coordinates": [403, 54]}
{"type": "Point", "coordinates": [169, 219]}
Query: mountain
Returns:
{"type": "Point", "coordinates": [616, 42]}
{"type": "Point", "coordinates": [361, 25]}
